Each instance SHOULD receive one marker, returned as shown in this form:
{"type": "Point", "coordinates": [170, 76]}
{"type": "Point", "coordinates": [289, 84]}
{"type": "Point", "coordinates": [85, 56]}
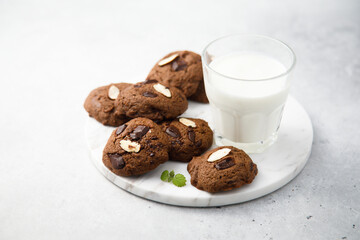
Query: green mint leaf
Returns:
{"type": "Point", "coordinates": [179, 180]}
{"type": "Point", "coordinates": [171, 176]}
{"type": "Point", "coordinates": [165, 175]}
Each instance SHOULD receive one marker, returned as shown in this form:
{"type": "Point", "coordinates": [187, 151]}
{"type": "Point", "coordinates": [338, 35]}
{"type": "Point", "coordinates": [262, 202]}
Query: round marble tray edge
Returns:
{"type": "Point", "coordinates": [200, 198]}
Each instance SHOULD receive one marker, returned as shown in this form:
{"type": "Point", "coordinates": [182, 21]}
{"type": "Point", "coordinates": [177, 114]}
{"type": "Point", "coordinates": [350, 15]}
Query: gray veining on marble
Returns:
{"type": "Point", "coordinates": [52, 53]}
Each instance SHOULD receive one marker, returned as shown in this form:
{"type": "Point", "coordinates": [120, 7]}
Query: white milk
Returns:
{"type": "Point", "coordinates": [246, 111]}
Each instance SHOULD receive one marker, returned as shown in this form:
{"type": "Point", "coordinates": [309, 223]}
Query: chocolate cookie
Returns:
{"type": "Point", "coordinates": [181, 69]}
{"type": "Point", "coordinates": [135, 148]}
{"type": "Point", "coordinates": [188, 137]}
{"type": "Point", "coordinates": [100, 104]}
{"type": "Point", "coordinates": [200, 94]}
{"type": "Point", "coordinates": [152, 100]}
{"type": "Point", "coordinates": [222, 169]}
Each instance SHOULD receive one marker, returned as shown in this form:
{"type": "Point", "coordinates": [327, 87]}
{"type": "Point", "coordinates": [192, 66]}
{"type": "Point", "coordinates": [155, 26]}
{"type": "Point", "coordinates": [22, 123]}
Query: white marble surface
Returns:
{"type": "Point", "coordinates": [53, 53]}
{"type": "Point", "coordinates": [277, 166]}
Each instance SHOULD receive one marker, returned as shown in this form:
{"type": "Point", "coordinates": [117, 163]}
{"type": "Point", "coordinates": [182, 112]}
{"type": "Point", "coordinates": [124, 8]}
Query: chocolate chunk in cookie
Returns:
{"type": "Point", "coordinates": [101, 104]}
{"type": "Point", "coordinates": [181, 69]}
{"type": "Point", "coordinates": [120, 129]}
{"type": "Point", "coordinates": [116, 160]}
{"type": "Point", "coordinates": [225, 163]}
{"type": "Point", "coordinates": [135, 148]}
{"type": "Point", "coordinates": [172, 131]}
{"type": "Point", "coordinates": [222, 169]}
{"type": "Point", "coordinates": [188, 137]}
{"type": "Point", "coordinates": [152, 100]}
{"type": "Point", "coordinates": [138, 132]}
{"type": "Point", "coordinates": [150, 94]}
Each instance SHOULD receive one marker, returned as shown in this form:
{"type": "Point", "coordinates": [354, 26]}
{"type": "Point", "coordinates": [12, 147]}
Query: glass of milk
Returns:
{"type": "Point", "coordinates": [247, 80]}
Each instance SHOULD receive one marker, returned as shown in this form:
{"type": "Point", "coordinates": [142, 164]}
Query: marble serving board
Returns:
{"type": "Point", "coordinates": [277, 166]}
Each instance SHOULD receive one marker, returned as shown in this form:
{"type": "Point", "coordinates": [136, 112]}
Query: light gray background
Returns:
{"type": "Point", "coordinates": [53, 53]}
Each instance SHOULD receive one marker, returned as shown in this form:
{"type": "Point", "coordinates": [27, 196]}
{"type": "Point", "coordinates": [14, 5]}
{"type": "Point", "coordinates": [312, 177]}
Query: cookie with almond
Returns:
{"type": "Point", "coordinates": [222, 169]}
{"type": "Point", "coordinates": [135, 148]}
{"type": "Point", "coordinates": [188, 137]}
{"type": "Point", "coordinates": [153, 100]}
{"type": "Point", "coordinates": [101, 104]}
{"type": "Point", "coordinates": [180, 69]}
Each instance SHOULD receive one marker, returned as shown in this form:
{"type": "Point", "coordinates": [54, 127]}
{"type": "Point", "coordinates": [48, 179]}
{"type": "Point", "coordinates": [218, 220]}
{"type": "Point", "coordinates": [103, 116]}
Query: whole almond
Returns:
{"type": "Point", "coordinates": [219, 154]}
{"type": "Point", "coordinates": [113, 92]}
{"type": "Point", "coordinates": [168, 60]}
{"type": "Point", "coordinates": [187, 122]}
{"type": "Point", "coordinates": [130, 146]}
{"type": "Point", "coordinates": [162, 89]}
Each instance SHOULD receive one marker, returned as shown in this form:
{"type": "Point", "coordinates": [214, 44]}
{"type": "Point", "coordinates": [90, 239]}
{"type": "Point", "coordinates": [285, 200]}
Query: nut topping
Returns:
{"type": "Point", "coordinates": [113, 92]}
{"type": "Point", "coordinates": [130, 146]}
{"type": "Point", "coordinates": [187, 122]}
{"type": "Point", "coordinates": [162, 89]}
{"type": "Point", "coordinates": [219, 154]}
{"type": "Point", "coordinates": [168, 60]}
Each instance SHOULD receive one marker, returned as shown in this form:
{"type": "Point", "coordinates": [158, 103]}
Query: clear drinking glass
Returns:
{"type": "Point", "coordinates": [247, 80]}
